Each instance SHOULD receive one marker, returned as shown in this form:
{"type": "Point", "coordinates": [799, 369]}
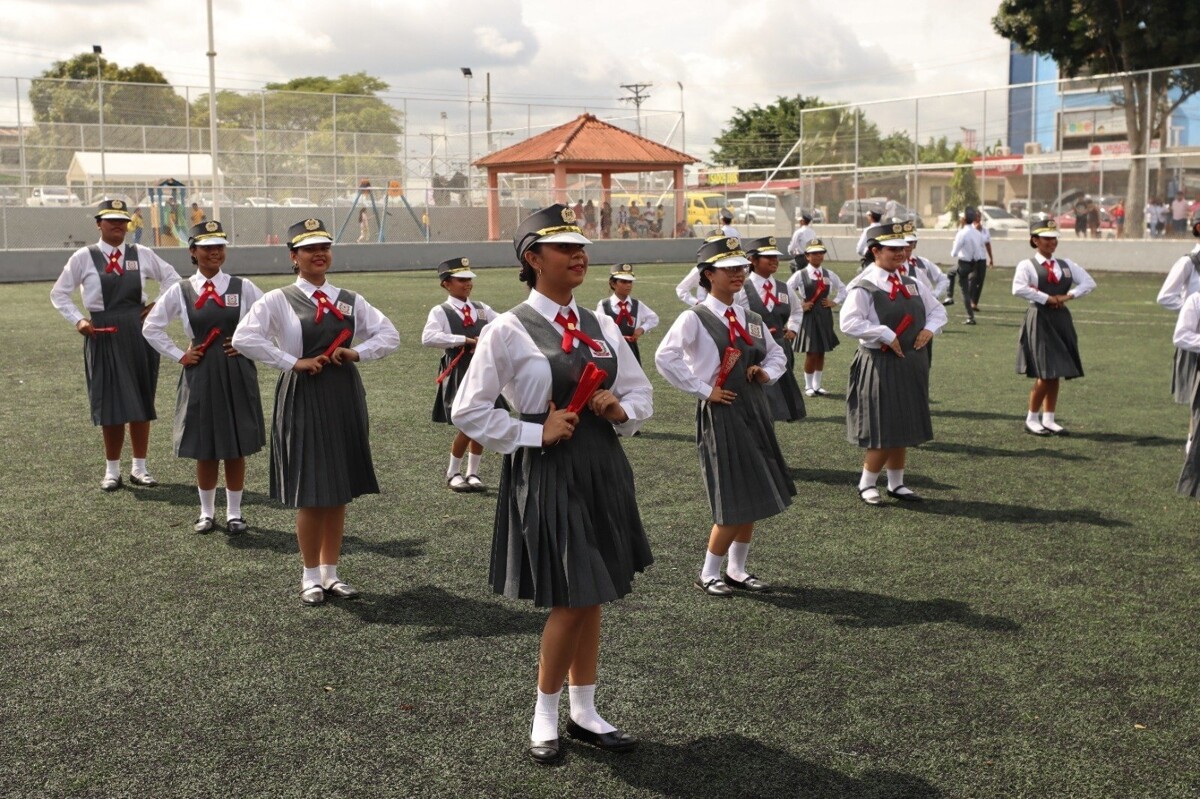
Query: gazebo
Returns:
{"type": "Point", "coordinates": [585, 145]}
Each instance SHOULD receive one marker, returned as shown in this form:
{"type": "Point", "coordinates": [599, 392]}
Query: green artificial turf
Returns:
{"type": "Point", "coordinates": [1028, 631]}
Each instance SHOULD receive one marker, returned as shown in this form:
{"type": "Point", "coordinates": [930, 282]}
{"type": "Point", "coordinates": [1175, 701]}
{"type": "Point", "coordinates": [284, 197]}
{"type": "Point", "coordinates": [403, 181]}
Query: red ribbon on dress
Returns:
{"type": "Point", "coordinates": [897, 286]}
{"type": "Point", "coordinates": [468, 321]}
{"type": "Point", "coordinates": [208, 340]}
{"type": "Point", "coordinates": [114, 263]}
{"type": "Point", "coordinates": [589, 381]}
{"type": "Point", "coordinates": [1050, 276]}
{"type": "Point", "coordinates": [623, 313]}
{"type": "Point", "coordinates": [341, 339]}
{"type": "Point", "coordinates": [736, 329]}
{"type": "Point", "coordinates": [728, 360]}
{"type": "Point", "coordinates": [571, 332]}
{"type": "Point", "coordinates": [209, 293]}
{"type": "Point", "coordinates": [769, 294]}
{"type": "Point", "coordinates": [904, 323]}
{"type": "Point", "coordinates": [453, 363]}
{"type": "Point", "coordinates": [324, 305]}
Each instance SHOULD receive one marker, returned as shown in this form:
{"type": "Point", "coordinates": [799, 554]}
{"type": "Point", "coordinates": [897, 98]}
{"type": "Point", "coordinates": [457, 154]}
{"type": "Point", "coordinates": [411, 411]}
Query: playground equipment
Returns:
{"type": "Point", "coordinates": [394, 191]}
{"type": "Point", "coordinates": [168, 213]}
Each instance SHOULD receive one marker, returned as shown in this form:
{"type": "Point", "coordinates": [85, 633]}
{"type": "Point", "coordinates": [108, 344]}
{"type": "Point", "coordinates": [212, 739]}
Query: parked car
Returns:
{"type": "Point", "coordinates": [296, 202]}
{"type": "Point", "coordinates": [738, 206]}
{"type": "Point", "coordinates": [9, 195]}
{"type": "Point", "coordinates": [854, 212]}
{"type": "Point", "coordinates": [52, 196]}
{"type": "Point", "coordinates": [1066, 224]}
{"type": "Point", "coordinates": [817, 215]}
{"type": "Point", "coordinates": [760, 209]}
{"type": "Point", "coordinates": [206, 200]}
{"type": "Point", "coordinates": [996, 218]}
{"type": "Point", "coordinates": [260, 202]}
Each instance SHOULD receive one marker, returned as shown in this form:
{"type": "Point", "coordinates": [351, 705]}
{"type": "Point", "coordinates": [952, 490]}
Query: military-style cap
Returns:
{"type": "Point", "coordinates": [890, 234]}
{"type": "Point", "coordinates": [549, 225]}
{"type": "Point", "coordinates": [307, 233]}
{"type": "Point", "coordinates": [622, 272]}
{"type": "Point", "coordinates": [1043, 225]}
{"type": "Point", "coordinates": [806, 216]}
{"type": "Point", "coordinates": [454, 267]}
{"type": "Point", "coordinates": [910, 231]}
{"type": "Point", "coordinates": [721, 252]}
{"type": "Point", "coordinates": [113, 209]}
{"type": "Point", "coordinates": [766, 245]}
{"type": "Point", "coordinates": [816, 245]}
{"type": "Point", "coordinates": [207, 234]}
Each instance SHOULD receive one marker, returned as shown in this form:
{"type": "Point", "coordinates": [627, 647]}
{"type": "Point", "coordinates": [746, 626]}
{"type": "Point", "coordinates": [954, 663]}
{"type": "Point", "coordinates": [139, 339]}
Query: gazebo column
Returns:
{"type": "Point", "coordinates": [606, 193]}
{"type": "Point", "coordinates": [493, 182]}
{"type": "Point", "coordinates": [680, 198]}
{"type": "Point", "coordinates": [560, 183]}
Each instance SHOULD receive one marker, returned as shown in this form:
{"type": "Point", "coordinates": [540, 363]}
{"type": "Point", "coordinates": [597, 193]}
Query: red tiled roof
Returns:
{"type": "Point", "coordinates": [587, 141]}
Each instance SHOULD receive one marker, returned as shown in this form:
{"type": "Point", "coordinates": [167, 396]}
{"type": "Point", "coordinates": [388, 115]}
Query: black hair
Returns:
{"type": "Point", "coordinates": [528, 274]}
{"type": "Point", "coordinates": [705, 283]}
{"type": "Point", "coordinates": [869, 257]}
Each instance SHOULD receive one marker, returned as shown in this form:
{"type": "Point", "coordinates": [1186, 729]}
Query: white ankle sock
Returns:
{"type": "Point", "coordinates": [312, 576]}
{"type": "Point", "coordinates": [328, 574]}
{"type": "Point", "coordinates": [1032, 418]}
{"type": "Point", "coordinates": [868, 479]}
{"type": "Point", "coordinates": [712, 567]}
{"type": "Point", "coordinates": [808, 380]}
{"type": "Point", "coordinates": [473, 463]}
{"type": "Point", "coordinates": [455, 467]}
{"type": "Point", "coordinates": [583, 709]}
{"type": "Point", "coordinates": [737, 560]}
{"type": "Point", "coordinates": [817, 380]}
{"type": "Point", "coordinates": [895, 478]}
{"type": "Point", "coordinates": [208, 502]}
{"type": "Point", "coordinates": [139, 466]}
{"type": "Point", "coordinates": [233, 504]}
{"type": "Point", "coordinates": [112, 468]}
{"type": "Point", "coordinates": [545, 717]}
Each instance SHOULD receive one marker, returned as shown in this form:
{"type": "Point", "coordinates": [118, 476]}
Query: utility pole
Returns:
{"type": "Point", "coordinates": [489, 111]}
{"type": "Point", "coordinates": [637, 97]}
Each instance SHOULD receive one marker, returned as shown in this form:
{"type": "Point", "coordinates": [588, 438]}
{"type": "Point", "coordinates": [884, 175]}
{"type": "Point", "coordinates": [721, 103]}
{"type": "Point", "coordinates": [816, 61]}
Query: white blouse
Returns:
{"type": "Point", "coordinates": [436, 332]}
{"type": "Point", "coordinates": [859, 319]}
{"type": "Point", "coordinates": [1187, 328]}
{"type": "Point", "coordinates": [837, 292]}
{"type": "Point", "coordinates": [270, 333]}
{"type": "Point", "coordinates": [690, 283]}
{"type": "Point", "coordinates": [507, 362]}
{"type": "Point", "coordinates": [80, 273]}
{"type": "Point", "coordinates": [172, 305]}
{"type": "Point", "coordinates": [1182, 281]}
{"type": "Point", "coordinates": [689, 361]}
{"type": "Point", "coordinates": [1025, 279]}
{"type": "Point", "coordinates": [645, 318]}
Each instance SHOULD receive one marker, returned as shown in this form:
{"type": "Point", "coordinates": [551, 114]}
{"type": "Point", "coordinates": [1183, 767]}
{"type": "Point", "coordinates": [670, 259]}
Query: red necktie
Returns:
{"type": "Point", "coordinates": [1050, 276]}
{"type": "Point", "coordinates": [735, 328]}
{"type": "Point", "coordinates": [897, 286]}
{"type": "Point", "coordinates": [323, 305]}
{"type": "Point", "coordinates": [209, 293]}
{"type": "Point", "coordinates": [572, 332]}
{"type": "Point", "coordinates": [902, 269]}
{"type": "Point", "coordinates": [114, 263]}
{"type": "Point", "coordinates": [468, 321]}
{"type": "Point", "coordinates": [820, 287]}
{"type": "Point", "coordinates": [623, 314]}
{"type": "Point", "coordinates": [769, 294]}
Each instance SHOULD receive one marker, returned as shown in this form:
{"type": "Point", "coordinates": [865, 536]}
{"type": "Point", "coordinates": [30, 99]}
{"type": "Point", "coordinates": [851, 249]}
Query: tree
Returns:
{"type": "Point", "coordinates": [963, 191]}
{"type": "Point", "coordinates": [1117, 36]}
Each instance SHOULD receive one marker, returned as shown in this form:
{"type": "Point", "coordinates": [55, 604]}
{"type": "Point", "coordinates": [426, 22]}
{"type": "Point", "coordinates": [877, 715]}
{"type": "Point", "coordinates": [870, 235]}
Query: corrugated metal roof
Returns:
{"type": "Point", "coordinates": [583, 141]}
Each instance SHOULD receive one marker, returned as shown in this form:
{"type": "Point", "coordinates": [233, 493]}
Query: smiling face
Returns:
{"type": "Point", "coordinates": [1046, 245]}
{"type": "Point", "coordinates": [726, 281]}
{"type": "Point", "coordinates": [209, 259]}
{"type": "Point", "coordinates": [765, 265]}
{"type": "Point", "coordinates": [561, 267]}
{"type": "Point", "coordinates": [815, 259]}
{"type": "Point", "coordinates": [313, 261]}
{"type": "Point", "coordinates": [459, 287]}
{"type": "Point", "coordinates": [889, 258]}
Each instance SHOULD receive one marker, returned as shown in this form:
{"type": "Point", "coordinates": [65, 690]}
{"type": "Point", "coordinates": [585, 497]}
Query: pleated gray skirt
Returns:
{"type": "Point", "coordinates": [1189, 478]}
{"type": "Point", "coordinates": [567, 530]}
{"type": "Point", "coordinates": [320, 451]}
{"type": "Point", "coordinates": [218, 410]}
{"type": "Point", "coordinates": [784, 395]}
{"type": "Point", "coordinates": [121, 370]}
{"type": "Point", "coordinates": [887, 400]}
{"type": "Point", "coordinates": [745, 475]}
{"type": "Point", "coordinates": [1185, 373]}
{"type": "Point", "coordinates": [816, 332]}
{"type": "Point", "coordinates": [1048, 348]}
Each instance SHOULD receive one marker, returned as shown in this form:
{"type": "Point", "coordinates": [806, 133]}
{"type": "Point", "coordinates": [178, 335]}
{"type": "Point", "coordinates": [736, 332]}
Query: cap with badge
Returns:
{"type": "Point", "coordinates": [113, 209]}
{"type": "Point", "coordinates": [306, 233]}
{"type": "Point", "coordinates": [910, 231]}
{"type": "Point", "coordinates": [1043, 225]}
{"type": "Point", "coordinates": [721, 252]}
{"type": "Point", "coordinates": [816, 245]}
{"type": "Point", "coordinates": [553, 225]}
{"type": "Point", "coordinates": [207, 234]}
{"type": "Point", "coordinates": [891, 233]}
{"type": "Point", "coordinates": [622, 272]}
{"type": "Point", "coordinates": [765, 245]}
{"type": "Point", "coordinates": [455, 267]}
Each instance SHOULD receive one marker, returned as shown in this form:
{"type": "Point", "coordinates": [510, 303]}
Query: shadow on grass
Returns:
{"type": "Point", "coordinates": [656, 436]}
{"type": "Point", "coordinates": [734, 765]}
{"type": "Point", "coordinates": [284, 543]}
{"type": "Point", "coordinates": [981, 416]}
{"type": "Point", "coordinates": [849, 480]}
{"type": "Point", "coordinates": [445, 615]}
{"type": "Point", "coordinates": [995, 452]}
{"type": "Point", "coordinates": [1018, 514]}
{"type": "Point", "coordinates": [867, 610]}
{"type": "Point", "coordinates": [184, 494]}
{"type": "Point", "coordinates": [1124, 438]}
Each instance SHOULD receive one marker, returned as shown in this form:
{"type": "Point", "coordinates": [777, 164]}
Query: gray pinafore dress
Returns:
{"type": "Point", "coordinates": [121, 367]}
{"type": "Point", "coordinates": [1048, 347]}
{"type": "Point", "coordinates": [745, 475]}
{"type": "Point", "coordinates": [567, 530]}
{"type": "Point", "coordinates": [816, 326]}
{"type": "Point", "coordinates": [1189, 478]}
{"type": "Point", "coordinates": [218, 410]}
{"type": "Point", "coordinates": [626, 328]}
{"type": "Point", "coordinates": [887, 398]}
{"type": "Point", "coordinates": [785, 397]}
{"type": "Point", "coordinates": [320, 452]}
{"type": "Point", "coordinates": [1185, 366]}
{"type": "Point", "coordinates": [448, 388]}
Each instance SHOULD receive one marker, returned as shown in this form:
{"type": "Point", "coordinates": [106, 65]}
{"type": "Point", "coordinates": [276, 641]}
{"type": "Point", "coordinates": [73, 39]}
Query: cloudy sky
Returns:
{"type": "Point", "coordinates": [548, 60]}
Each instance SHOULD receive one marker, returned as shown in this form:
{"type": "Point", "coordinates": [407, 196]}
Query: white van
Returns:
{"type": "Point", "coordinates": [46, 196]}
{"type": "Point", "coordinates": [760, 209]}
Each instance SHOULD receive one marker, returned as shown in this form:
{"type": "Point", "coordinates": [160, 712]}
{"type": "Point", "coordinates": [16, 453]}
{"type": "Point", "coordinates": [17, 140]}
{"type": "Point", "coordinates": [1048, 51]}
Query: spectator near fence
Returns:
{"type": "Point", "coordinates": [1179, 215]}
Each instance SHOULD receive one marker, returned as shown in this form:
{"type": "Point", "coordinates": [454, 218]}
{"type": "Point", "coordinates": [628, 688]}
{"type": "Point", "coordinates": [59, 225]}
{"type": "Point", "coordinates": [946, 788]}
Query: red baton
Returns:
{"type": "Point", "coordinates": [589, 381]}
{"type": "Point", "coordinates": [453, 363]}
{"type": "Point", "coordinates": [341, 339]}
{"type": "Point", "coordinates": [112, 329]}
{"type": "Point", "coordinates": [208, 340]}
{"type": "Point", "coordinates": [728, 361]}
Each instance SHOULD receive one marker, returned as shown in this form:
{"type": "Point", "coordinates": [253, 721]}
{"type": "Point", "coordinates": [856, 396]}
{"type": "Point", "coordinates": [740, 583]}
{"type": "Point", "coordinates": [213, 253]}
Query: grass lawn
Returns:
{"type": "Point", "coordinates": [1028, 631]}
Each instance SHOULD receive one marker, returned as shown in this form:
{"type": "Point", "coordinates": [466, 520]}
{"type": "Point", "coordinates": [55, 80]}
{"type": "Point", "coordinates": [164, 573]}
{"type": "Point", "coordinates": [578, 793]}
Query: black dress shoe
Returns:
{"type": "Point", "coordinates": [1038, 430]}
{"type": "Point", "coordinates": [909, 497]}
{"type": "Point", "coordinates": [313, 595]}
{"type": "Point", "coordinates": [143, 480]}
{"type": "Point", "coordinates": [204, 524]}
{"type": "Point", "coordinates": [615, 741]}
{"type": "Point", "coordinates": [341, 590]}
{"type": "Point", "coordinates": [751, 583]}
{"type": "Point", "coordinates": [110, 483]}
{"type": "Point", "coordinates": [969, 322]}
{"type": "Point", "coordinates": [872, 499]}
{"type": "Point", "coordinates": [713, 587]}
{"type": "Point", "coordinates": [545, 753]}
{"type": "Point", "coordinates": [236, 526]}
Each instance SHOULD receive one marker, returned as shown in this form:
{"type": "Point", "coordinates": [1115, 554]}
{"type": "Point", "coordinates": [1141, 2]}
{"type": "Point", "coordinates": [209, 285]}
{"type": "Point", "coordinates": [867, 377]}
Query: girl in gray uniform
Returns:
{"type": "Point", "coordinates": [1187, 339]}
{"type": "Point", "coordinates": [819, 290]}
{"type": "Point", "coordinates": [315, 333]}
{"type": "Point", "coordinates": [218, 413]}
{"type": "Point", "coordinates": [1048, 350]}
{"type": "Point", "coordinates": [771, 299]}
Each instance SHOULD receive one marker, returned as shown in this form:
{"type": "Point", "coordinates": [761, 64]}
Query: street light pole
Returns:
{"type": "Point", "coordinates": [212, 115]}
{"type": "Point", "coordinates": [100, 103]}
{"type": "Point", "coordinates": [466, 71]}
